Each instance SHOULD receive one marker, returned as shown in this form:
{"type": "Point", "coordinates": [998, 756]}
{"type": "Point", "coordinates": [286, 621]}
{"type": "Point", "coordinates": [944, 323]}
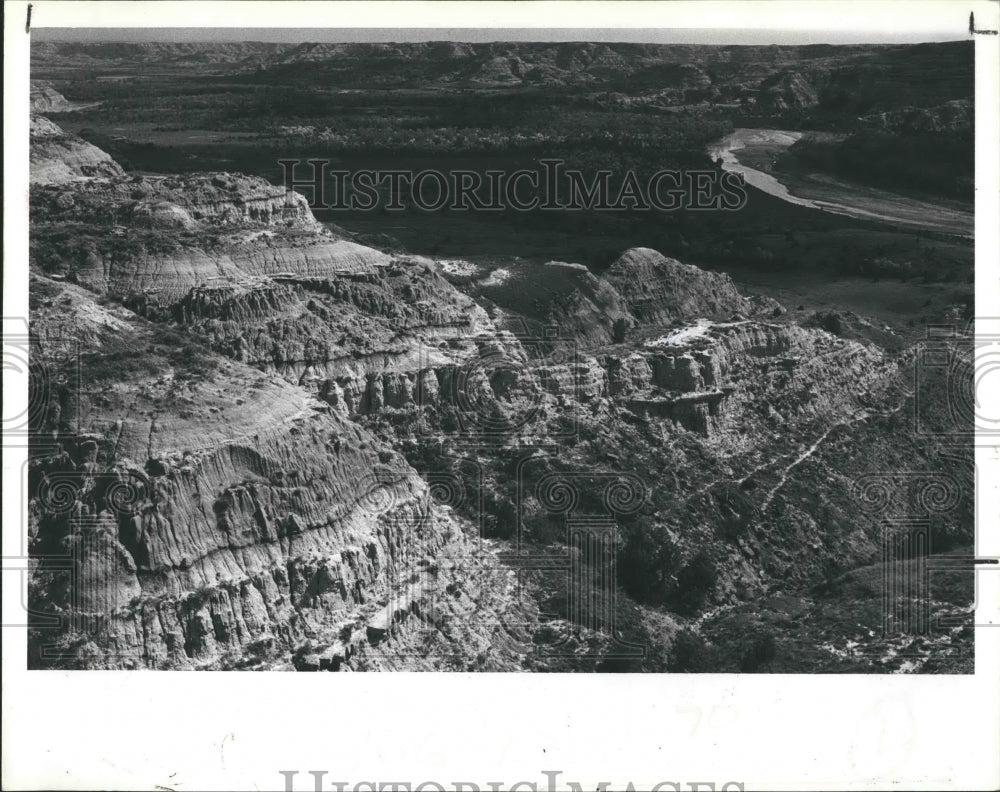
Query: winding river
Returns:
{"type": "Point", "coordinates": [825, 193]}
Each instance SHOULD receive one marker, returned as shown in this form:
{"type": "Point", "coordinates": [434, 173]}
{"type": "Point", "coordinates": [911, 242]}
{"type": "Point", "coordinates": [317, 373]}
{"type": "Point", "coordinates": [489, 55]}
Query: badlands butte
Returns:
{"type": "Point", "coordinates": [260, 444]}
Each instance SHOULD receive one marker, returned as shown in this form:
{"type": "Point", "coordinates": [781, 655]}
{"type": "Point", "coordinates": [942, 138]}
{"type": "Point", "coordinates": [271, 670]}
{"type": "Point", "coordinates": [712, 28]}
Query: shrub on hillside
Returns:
{"type": "Point", "coordinates": [695, 582]}
{"type": "Point", "coordinates": [690, 653]}
{"type": "Point", "coordinates": [646, 560]}
{"type": "Point", "coordinates": [759, 652]}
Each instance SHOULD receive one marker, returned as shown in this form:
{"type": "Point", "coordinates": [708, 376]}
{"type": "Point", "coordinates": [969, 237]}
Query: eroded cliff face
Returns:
{"type": "Point", "coordinates": [657, 289]}
{"type": "Point", "coordinates": [712, 376]}
{"type": "Point", "coordinates": [59, 158]}
{"type": "Point", "coordinates": [45, 99]}
{"type": "Point", "coordinates": [282, 449]}
{"type": "Point", "coordinates": [213, 515]}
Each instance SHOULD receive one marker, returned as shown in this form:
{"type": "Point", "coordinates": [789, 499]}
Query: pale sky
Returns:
{"type": "Point", "coordinates": [643, 35]}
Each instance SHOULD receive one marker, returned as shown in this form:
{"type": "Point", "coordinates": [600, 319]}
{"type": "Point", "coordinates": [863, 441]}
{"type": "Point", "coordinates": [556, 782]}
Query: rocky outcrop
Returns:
{"type": "Point", "coordinates": [221, 201]}
{"type": "Point", "coordinates": [657, 290]}
{"type": "Point", "coordinates": [210, 511]}
{"type": "Point", "coordinates": [170, 274]}
{"type": "Point", "coordinates": [790, 90]}
{"type": "Point", "coordinates": [228, 199]}
{"type": "Point", "coordinates": [152, 240]}
{"type": "Point", "coordinates": [58, 158]}
{"type": "Point", "coordinates": [638, 290]}
{"type": "Point", "coordinates": [708, 376]}
{"type": "Point", "coordinates": [45, 99]}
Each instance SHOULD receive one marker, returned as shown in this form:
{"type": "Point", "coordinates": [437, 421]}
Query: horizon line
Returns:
{"type": "Point", "coordinates": [660, 36]}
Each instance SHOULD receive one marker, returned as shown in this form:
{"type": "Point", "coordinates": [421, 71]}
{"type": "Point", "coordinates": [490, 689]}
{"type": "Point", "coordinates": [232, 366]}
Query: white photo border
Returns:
{"type": "Point", "coordinates": [236, 731]}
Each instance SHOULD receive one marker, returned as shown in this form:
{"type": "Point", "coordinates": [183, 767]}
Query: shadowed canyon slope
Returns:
{"type": "Point", "coordinates": [280, 448]}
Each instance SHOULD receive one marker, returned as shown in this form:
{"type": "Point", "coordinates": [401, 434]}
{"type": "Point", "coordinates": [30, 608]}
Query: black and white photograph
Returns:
{"type": "Point", "coordinates": [565, 350]}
